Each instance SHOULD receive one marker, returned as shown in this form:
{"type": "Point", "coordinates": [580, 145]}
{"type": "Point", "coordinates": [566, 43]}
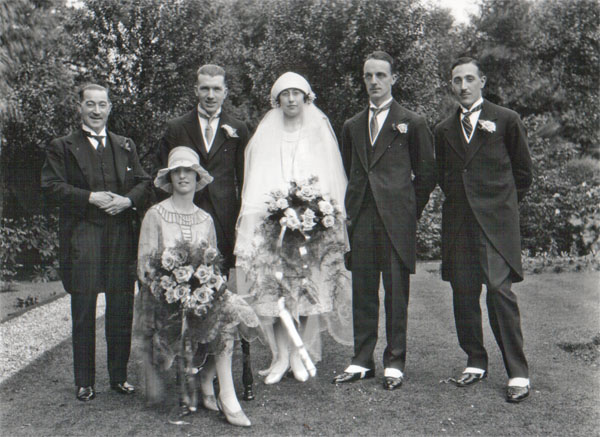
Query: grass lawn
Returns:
{"type": "Point", "coordinates": [559, 311]}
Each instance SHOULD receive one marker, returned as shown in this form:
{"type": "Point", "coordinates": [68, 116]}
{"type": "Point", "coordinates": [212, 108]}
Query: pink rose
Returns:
{"type": "Point", "coordinates": [168, 260]}
{"type": "Point", "coordinates": [167, 282]}
{"type": "Point", "coordinates": [182, 291]}
{"type": "Point", "coordinates": [203, 272]}
{"type": "Point", "coordinates": [183, 274]}
{"type": "Point", "coordinates": [210, 254]}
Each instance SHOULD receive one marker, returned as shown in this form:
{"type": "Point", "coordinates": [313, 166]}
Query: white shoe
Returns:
{"type": "Point", "coordinates": [300, 372]}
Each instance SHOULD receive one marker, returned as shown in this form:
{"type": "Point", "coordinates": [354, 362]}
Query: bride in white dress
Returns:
{"type": "Point", "coordinates": [294, 142]}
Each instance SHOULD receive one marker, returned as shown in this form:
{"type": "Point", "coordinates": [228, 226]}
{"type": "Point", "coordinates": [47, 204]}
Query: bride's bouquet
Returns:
{"type": "Point", "coordinates": [301, 217]}
{"type": "Point", "coordinates": [301, 234]}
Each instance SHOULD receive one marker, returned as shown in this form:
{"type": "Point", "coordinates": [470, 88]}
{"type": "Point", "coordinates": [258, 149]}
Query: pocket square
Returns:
{"type": "Point", "coordinates": [129, 169]}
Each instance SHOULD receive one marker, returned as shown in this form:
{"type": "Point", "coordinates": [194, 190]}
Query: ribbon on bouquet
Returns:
{"type": "Point", "coordinates": [286, 318]}
{"type": "Point", "coordinates": [188, 384]}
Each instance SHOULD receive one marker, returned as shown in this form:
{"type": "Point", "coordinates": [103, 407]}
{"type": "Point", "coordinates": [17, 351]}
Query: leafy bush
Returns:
{"type": "Point", "coordinates": [429, 228]}
{"type": "Point", "coordinates": [29, 249]}
{"type": "Point", "coordinates": [559, 262]}
{"type": "Point", "coordinates": [563, 199]}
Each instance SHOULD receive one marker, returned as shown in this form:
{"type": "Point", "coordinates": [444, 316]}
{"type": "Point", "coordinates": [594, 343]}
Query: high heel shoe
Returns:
{"type": "Point", "coordinates": [210, 402]}
{"type": "Point", "coordinates": [300, 372]}
{"type": "Point", "coordinates": [275, 376]}
{"type": "Point", "coordinates": [237, 419]}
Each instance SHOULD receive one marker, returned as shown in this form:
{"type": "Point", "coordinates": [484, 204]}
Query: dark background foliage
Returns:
{"type": "Point", "coordinates": [541, 58]}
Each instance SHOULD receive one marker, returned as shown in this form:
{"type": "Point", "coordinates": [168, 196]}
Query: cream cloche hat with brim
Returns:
{"type": "Point", "coordinates": [182, 156]}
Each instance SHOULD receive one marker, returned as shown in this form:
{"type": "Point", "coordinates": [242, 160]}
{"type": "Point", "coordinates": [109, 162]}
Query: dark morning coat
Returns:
{"type": "Point", "coordinates": [397, 156]}
{"type": "Point", "coordinates": [225, 163]}
{"type": "Point", "coordinates": [489, 176]}
{"type": "Point", "coordinates": [66, 178]}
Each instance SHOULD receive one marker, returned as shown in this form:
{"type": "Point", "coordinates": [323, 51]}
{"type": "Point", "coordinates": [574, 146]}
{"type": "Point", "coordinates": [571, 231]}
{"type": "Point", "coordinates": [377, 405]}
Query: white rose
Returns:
{"type": "Point", "coordinates": [282, 203]}
{"type": "Point", "coordinates": [325, 207]}
{"type": "Point", "coordinates": [328, 221]}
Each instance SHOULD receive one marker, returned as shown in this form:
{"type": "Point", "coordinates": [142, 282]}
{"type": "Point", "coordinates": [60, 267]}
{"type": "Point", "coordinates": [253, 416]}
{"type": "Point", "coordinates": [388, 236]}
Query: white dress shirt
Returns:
{"type": "Point", "coordinates": [380, 117]}
{"type": "Point", "coordinates": [93, 141]}
{"type": "Point", "coordinates": [473, 118]}
{"type": "Point", "coordinates": [214, 124]}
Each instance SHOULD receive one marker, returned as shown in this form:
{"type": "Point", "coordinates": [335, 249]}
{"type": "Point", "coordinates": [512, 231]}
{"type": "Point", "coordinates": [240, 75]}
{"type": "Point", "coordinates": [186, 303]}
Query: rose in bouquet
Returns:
{"type": "Point", "coordinates": [301, 213]}
{"type": "Point", "coordinates": [301, 234]}
{"type": "Point", "coordinates": [187, 278]}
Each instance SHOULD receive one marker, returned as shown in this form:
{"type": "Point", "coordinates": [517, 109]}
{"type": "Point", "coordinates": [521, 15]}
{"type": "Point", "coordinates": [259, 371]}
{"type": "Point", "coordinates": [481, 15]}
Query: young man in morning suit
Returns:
{"type": "Point", "coordinates": [96, 178]}
{"type": "Point", "coordinates": [219, 140]}
{"type": "Point", "coordinates": [388, 157]}
{"type": "Point", "coordinates": [484, 170]}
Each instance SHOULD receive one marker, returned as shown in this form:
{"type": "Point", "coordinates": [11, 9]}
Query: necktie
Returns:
{"type": "Point", "coordinates": [374, 125]}
{"type": "Point", "coordinates": [466, 121]}
{"type": "Point", "coordinates": [99, 138]}
{"type": "Point", "coordinates": [208, 132]}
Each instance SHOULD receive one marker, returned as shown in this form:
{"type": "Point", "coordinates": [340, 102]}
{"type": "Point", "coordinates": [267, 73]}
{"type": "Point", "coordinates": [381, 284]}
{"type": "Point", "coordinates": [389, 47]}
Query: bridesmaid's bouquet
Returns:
{"type": "Point", "coordinates": [187, 288]}
{"type": "Point", "coordinates": [187, 278]}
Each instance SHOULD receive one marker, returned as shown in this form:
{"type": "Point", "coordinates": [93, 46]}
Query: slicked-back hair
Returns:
{"type": "Point", "coordinates": [467, 60]}
{"type": "Point", "coordinates": [92, 86]}
{"type": "Point", "coordinates": [212, 70]}
{"type": "Point", "coordinates": [380, 55]}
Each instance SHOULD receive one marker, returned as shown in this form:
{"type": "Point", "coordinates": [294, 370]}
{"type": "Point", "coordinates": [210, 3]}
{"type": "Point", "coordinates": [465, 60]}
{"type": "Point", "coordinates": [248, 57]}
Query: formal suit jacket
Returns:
{"type": "Point", "coordinates": [66, 177]}
{"type": "Point", "coordinates": [400, 174]}
{"type": "Point", "coordinates": [489, 176]}
{"type": "Point", "coordinates": [225, 163]}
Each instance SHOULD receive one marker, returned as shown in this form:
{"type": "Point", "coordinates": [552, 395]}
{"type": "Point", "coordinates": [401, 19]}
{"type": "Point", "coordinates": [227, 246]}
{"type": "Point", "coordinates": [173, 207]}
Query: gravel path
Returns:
{"type": "Point", "coordinates": [25, 338]}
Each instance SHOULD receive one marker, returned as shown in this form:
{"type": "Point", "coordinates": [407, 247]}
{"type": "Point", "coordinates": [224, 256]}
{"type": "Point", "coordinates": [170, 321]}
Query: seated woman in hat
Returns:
{"type": "Point", "coordinates": [208, 317]}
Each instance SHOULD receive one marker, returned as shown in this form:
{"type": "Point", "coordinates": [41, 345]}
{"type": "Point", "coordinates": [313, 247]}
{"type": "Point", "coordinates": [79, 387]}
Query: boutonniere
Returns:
{"type": "Point", "coordinates": [126, 145]}
{"type": "Point", "coordinates": [400, 127]}
{"type": "Point", "coordinates": [231, 132]}
{"type": "Point", "coordinates": [487, 125]}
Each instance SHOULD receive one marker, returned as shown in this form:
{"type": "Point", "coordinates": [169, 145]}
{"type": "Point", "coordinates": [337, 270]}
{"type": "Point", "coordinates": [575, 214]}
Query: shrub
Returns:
{"type": "Point", "coordinates": [563, 199]}
{"type": "Point", "coordinates": [429, 228]}
{"type": "Point", "coordinates": [29, 249]}
{"type": "Point", "coordinates": [584, 170]}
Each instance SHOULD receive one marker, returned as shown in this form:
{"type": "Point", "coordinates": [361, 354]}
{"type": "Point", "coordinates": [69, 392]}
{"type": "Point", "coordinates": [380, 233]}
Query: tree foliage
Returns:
{"type": "Point", "coordinates": [541, 59]}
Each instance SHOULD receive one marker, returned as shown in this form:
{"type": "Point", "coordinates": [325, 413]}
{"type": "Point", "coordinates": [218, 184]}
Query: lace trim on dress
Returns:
{"type": "Point", "coordinates": [194, 218]}
{"type": "Point", "coordinates": [185, 221]}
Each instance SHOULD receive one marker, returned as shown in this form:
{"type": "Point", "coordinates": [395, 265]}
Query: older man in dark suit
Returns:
{"type": "Point", "coordinates": [388, 157]}
{"type": "Point", "coordinates": [96, 178]}
{"type": "Point", "coordinates": [484, 169]}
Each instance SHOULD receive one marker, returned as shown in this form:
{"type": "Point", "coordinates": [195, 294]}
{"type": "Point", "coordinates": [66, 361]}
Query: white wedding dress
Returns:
{"type": "Point", "coordinates": [273, 158]}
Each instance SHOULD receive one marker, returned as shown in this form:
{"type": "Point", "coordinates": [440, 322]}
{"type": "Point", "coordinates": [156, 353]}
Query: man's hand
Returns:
{"type": "Point", "coordinates": [101, 199]}
{"type": "Point", "coordinates": [117, 204]}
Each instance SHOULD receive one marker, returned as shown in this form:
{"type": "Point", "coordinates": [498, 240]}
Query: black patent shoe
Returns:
{"type": "Point", "coordinates": [178, 415]}
{"type": "Point", "coordinates": [85, 394]}
{"type": "Point", "coordinates": [345, 377]}
{"type": "Point", "coordinates": [467, 379]}
{"type": "Point", "coordinates": [391, 383]}
{"type": "Point", "coordinates": [515, 395]}
{"type": "Point", "coordinates": [123, 388]}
